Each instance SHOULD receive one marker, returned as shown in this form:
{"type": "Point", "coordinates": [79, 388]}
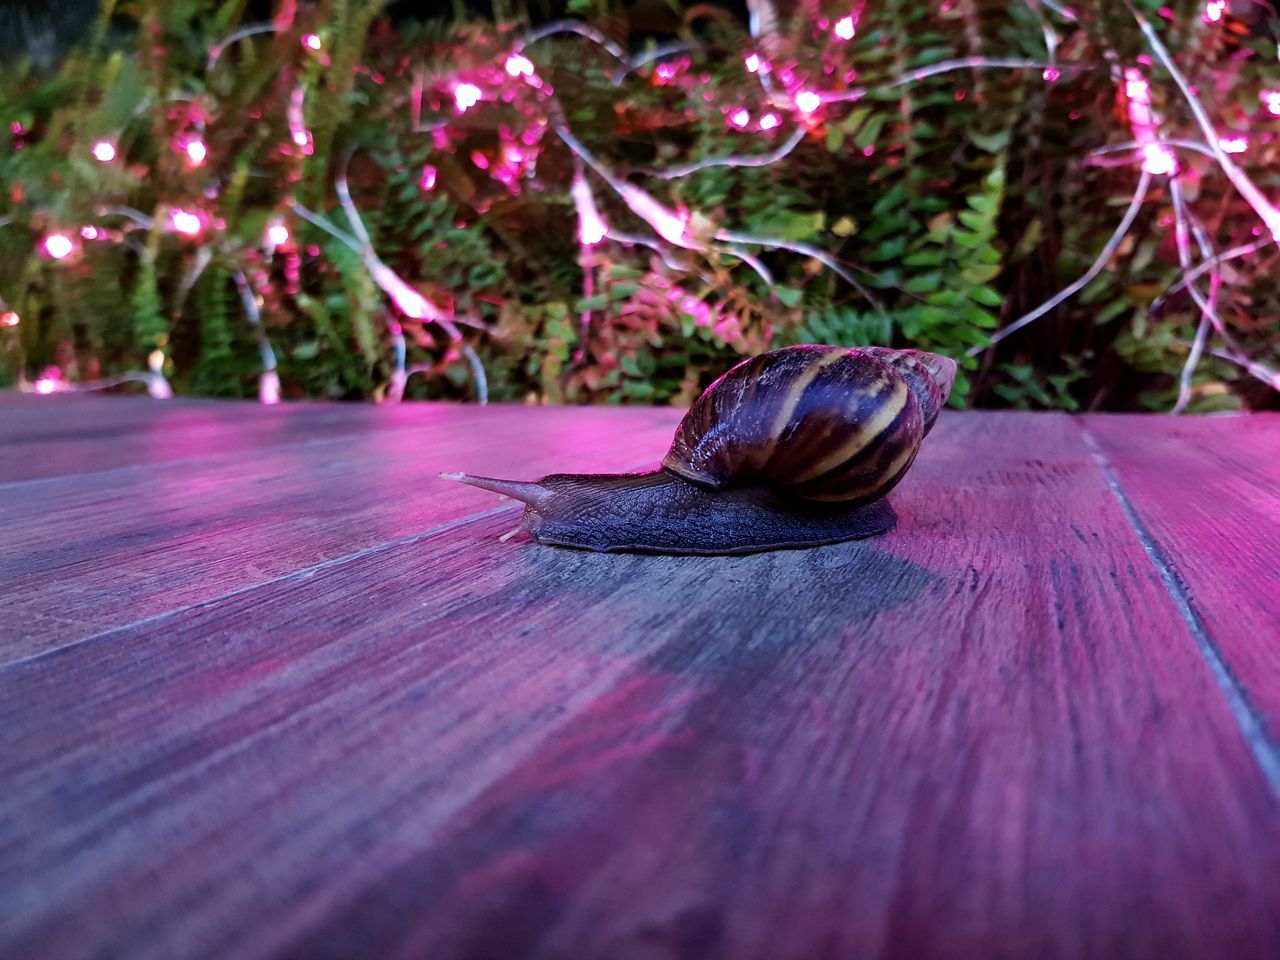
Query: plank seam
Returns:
{"type": "Point", "coordinates": [1265, 753]}
{"type": "Point", "coordinates": [301, 574]}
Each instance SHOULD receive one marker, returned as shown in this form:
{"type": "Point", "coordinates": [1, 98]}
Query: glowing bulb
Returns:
{"type": "Point", "coordinates": [277, 235]}
{"type": "Point", "coordinates": [1233, 144]}
{"type": "Point", "coordinates": [1051, 74]}
{"type": "Point", "coordinates": [185, 222]}
{"type": "Point", "coordinates": [769, 121]}
{"type": "Point", "coordinates": [104, 151]}
{"type": "Point", "coordinates": [9, 319]}
{"type": "Point", "coordinates": [740, 118]}
{"type": "Point", "coordinates": [1272, 99]}
{"type": "Point", "coordinates": [311, 41]}
{"type": "Point", "coordinates": [1158, 160]}
{"type": "Point", "coordinates": [591, 226]}
{"type": "Point", "coordinates": [196, 151]}
{"type": "Point", "coordinates": [753, 62]}
{"type": "Point", "coordinates": [58, 245]}
{"type": "Point", "coordinates": [807, 101]}
{"type": "Point", "coordinates": [519, 65]}
{"type": "Point", "coordinates": [1136, 88]}
{"type": "Point", "coordinates": [89, 232]}
{"type": "Point", "coordinates": [428, 179]}
{"type": "Point", "coordinates": [46, 385]}
{"type": "Point", "coordinates": [466, 96]}
{"type": "Point", "coordinates": [1213, 10]}
{"type": "Point", "coordinates": [845, 28]}
{"type": "Point", "coordinates": [269, 388]}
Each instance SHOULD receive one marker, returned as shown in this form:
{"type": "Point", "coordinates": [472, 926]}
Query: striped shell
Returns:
{"type": "Point", "coordinates": [820, 423]}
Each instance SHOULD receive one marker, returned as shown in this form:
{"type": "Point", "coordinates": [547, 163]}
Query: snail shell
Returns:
{"type": "Point", "coordinates": [795, 447]}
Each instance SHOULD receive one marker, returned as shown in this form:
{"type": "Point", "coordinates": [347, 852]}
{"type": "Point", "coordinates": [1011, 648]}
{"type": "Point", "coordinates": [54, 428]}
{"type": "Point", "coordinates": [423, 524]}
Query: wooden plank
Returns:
{"type": "Point", "coordinates": [984, 735]}
{"type": "Point", "coordinates": [108, 549]}
{"type": "Point", "coordinates": [1207, 490]}
{"type": "Point", "coordinates": [52, 436]}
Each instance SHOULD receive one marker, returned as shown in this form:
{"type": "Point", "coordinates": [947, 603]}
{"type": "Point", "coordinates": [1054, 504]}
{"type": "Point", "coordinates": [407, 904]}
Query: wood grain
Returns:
{"type": "Point", "coordinates": [136, 542]}
{"type": "Point", "coordinates": [987, 734]}
{"type": "Point", "coordinates": [1207, 491]}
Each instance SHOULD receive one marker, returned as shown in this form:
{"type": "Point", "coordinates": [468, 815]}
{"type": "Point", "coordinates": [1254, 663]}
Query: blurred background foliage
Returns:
{"type": "Point", "coordinates": [959, 202]}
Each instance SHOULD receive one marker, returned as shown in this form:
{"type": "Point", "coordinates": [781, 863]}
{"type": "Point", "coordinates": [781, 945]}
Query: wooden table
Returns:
{"type": "Point", "coordinates": [269, 688]}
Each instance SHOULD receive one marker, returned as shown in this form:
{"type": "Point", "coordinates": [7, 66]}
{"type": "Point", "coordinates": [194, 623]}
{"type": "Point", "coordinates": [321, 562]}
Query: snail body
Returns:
{"type": "Point", "coordinates": [795, 447]}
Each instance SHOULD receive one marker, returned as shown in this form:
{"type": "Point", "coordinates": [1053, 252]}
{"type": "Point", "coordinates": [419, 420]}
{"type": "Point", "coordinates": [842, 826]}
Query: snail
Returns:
{"type": "Point", "coordinates": [793, 448]}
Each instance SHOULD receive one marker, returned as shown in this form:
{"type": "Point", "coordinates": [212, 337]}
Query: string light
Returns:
{"type": "Point", "coordinates": [58, 246]}
{"type": "Point", "coordinates": [196, 151]}
{"type": "Point", "coordinates": [186, 223]}
{"type": "Point", "coordinates": [807, 101]}
{"type": "Point", "coordinates": [466, 96]}
{"type": "Point", "coordinates": [786, 86]}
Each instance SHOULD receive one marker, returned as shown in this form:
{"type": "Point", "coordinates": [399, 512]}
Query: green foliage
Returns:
{"type": "Point", "coordinates": [958, 202]}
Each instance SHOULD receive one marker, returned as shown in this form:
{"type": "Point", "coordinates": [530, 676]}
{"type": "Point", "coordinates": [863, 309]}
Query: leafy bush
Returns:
{"type": "Point", "coordinates": [929, 213]}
